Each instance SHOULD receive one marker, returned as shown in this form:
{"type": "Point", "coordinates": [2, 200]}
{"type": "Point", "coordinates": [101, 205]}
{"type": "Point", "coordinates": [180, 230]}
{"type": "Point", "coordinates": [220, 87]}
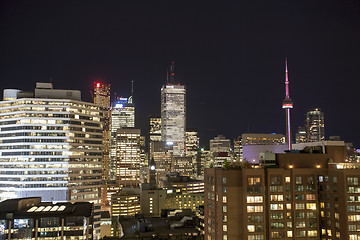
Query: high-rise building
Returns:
{"type": "Point", "coordinates": [287, 105]}
{"type": "Point", "coordinates": [102, 94]}
{"type": "Point", "coordinates": [173, 118]}
{"type": "Point", "coordinates": [155, 129]}
{"type": "Point", "coordinates": [154, 132]}
{"type": "Point", "coordinates": [315, 129]}
{"type": "Point", "coordinates": [191, 142]}
{"type": "Point", "coordinates": [101, 97]}
{"type": "Point", "coordinates": [238, 152]}
{"type": "Point", "coordinates": [220, 150]}
{"type": "Point", "coordinates": [306, 196]}
{"type": "Point", "coordinates": [301, 135]}
{"type": "Point", "coordinates": [204, 160]}
{"type": "Point", "coordinates": [192, 148]}
{"type": "Point", "coordinates": [162, 156]}
{"type": "Point", "coordinates": [51, 144]}
{"type": "Point", "coordinates": [128, 150]}
{"type": "Point", "coordinates": [122, 116]}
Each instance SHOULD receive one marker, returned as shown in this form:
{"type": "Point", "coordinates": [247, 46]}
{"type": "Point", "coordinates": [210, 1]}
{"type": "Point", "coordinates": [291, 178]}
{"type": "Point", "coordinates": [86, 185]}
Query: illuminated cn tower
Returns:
{"type": "Point", "coordinates": [287, 105]}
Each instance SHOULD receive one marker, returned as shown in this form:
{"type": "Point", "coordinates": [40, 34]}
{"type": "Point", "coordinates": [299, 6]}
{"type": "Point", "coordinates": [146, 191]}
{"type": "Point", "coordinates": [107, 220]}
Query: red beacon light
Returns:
{"type": "Point", "coordinates": [98, 85]}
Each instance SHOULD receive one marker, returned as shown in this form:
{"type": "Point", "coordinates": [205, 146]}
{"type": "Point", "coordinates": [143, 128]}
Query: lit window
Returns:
{"type": "Point", "coordinates": [251, 228]}
{"type": "Point", "coordinates": [311, 206]}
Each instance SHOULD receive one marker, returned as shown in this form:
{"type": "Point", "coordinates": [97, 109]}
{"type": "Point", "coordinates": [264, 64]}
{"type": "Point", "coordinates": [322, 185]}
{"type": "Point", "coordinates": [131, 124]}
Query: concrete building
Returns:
{"type": "Point", "coordinates": [307, 196]}
{"type": "Point", "coordinates": [152, 200]}
{"type": "Point", "coordinates": [173, 114]}
{"type": "Point", "coordinates": [51, 144]}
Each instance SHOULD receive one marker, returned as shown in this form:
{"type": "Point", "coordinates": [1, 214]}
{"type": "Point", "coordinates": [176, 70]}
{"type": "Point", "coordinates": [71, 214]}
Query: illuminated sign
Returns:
{"type": "Point", "coordinates": [169, 143]}
{"type": "Point", "coordinates": [119, 105]}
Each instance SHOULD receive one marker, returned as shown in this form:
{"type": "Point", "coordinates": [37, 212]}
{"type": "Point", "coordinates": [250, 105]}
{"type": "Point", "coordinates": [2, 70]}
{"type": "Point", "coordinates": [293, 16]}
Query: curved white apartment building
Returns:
{"type": "Point", "coordinates": [50, 146]}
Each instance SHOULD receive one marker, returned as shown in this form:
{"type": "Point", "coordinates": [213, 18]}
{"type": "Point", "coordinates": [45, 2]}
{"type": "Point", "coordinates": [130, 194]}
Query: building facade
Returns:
{"type": "Point", "coordinates": [220, 150]}
{"type": "Point", "coordinates": [51, 146]}
{"type": "Point", "coordinates": [128, 157]}
{"type": "Point", "coordinates": [122, 116]}
{"type": "Point", "coordinates": [305, 197]}
{"type": "Point", "coordinates": [101, 97]}
{"type": "Point", "coordinates": [173, 114]}
{"type": "Point", "coordinates": [315, 126]}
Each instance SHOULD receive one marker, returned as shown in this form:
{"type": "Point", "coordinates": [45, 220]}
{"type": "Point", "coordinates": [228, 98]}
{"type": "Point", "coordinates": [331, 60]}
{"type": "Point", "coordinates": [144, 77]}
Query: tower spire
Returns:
{"type": "Point", "coordinates": [287, 105]}
{"type": "Point", "coordinates": [286, 81]}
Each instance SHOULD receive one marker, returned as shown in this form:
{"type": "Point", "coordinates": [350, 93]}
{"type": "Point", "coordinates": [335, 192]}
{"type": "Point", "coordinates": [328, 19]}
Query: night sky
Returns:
{"type": "Point", "coordinates": [229, 55]}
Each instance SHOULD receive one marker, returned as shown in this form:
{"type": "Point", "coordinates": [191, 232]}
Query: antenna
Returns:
{"type": "Point", "coordinates": [172, 72]}
{"type": "Point", "coordinates": [287, 96]}
{"type": "Point", "coordinates": [167, 75]}
{"type": "Point", "coordinates": [132, 88]}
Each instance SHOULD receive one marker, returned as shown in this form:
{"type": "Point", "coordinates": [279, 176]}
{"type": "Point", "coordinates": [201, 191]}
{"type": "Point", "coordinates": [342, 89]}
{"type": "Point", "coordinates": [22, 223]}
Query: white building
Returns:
{"type": "Point", "coordinates": [173, 117]}
{"type": "Point", "coordinates": [50, 146]}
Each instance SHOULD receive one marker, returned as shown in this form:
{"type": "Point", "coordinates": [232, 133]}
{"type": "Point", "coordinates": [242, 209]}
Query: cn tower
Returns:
{"type": "Point", "coordinates": [287, 105]}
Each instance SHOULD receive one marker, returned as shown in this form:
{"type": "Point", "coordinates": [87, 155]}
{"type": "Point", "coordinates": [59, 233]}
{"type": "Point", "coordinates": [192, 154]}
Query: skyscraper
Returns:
{"type": "Point", "coordinates": [128, 157]}
{"type": "Point", "coordinates": [192, 148]}
{"type": "Point", "coordinates": [50, 146]}
{"type": "Point", "coordinates": [220, 150]}
{"type": "Point", "coordinates": [102, 97]}
{"type": "Point", "coordinates": [301, 135]}
{"type": "Point", "coordinates": [173, 117]}
{"type": "Point", "coordinates": [315, 129]}
{"type": "Point", "coordinates": [287, 105]}
{"type": "Point", "coordinates": [155, 129]}
{"type": "Point", "coordinates": [122, 116]}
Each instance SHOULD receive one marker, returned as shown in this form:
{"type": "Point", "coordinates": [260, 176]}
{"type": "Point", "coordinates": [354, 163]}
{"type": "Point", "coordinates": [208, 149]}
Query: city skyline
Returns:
{"type": "Point", "coordinates": [229, 57]}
